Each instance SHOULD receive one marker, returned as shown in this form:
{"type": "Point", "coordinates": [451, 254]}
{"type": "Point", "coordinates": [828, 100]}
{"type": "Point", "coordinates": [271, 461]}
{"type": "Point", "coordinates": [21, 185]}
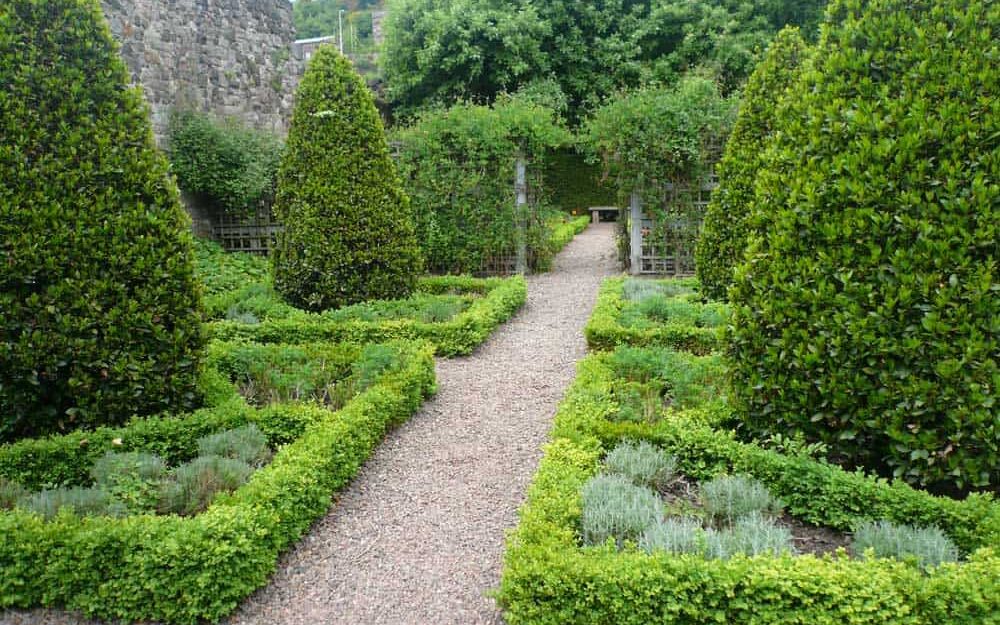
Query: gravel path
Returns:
{"type": "Point", "coordinates": [418, 536]}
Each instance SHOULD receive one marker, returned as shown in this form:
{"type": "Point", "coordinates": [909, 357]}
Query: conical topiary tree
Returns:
{"type": "Point", "coordinates": [349, 232]}
{"type": "Point", "coordinates": [723, 238]}
{"type": "Point", "coordinates": [867, 315]}
{"type": "Point", "coordinates": [99, 310]}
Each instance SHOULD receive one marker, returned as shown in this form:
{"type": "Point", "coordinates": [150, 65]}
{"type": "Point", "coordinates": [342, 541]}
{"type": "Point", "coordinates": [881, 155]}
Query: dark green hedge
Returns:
{"type": "Point", "coordinates": [604, 330]}
{"type": "Point", "coordinates": [867, 317]}
{"type": "Point", "coordinates": [575, 184]}
{"type": "Point", "coordinates": [549, 579]}
{"type": "Point", "coordinates": [723, 239]}
{"type": "Point", "coordinates": [186, 570]}
{"type": "Point", "coordinates": [99, 309]}
{"type": "Point", "coordinates": [348, 233]}
{"type": "Point", "coordinates": [501, 298]}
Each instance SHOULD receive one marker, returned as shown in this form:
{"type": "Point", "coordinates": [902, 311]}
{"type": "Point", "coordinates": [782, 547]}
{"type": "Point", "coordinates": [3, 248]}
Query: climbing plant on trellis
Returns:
{"type": "Point", "coordinates": [658, 146]}
{"type": "Point", "coordinates": [461, 165]}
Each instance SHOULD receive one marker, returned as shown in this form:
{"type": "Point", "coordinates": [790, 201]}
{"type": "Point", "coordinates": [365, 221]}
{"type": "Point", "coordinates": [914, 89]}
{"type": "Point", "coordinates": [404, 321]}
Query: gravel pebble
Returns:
{"type": "Point", "coordinates": [418, 536]}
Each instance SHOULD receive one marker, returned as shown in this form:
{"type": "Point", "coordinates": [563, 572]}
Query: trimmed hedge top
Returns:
{"type": "Point", "coordinates": [99, 309]}
{"type": "Point", "coordinates": [609, 325]}
{"type": "Point", "coordinates": [493, 301]}
{"type": "Point", "coordinates": [867, 316]}
{"type": "Point", "coordinates": [723, 238]}
{"type": "Point", "coordinates": [348, 233]}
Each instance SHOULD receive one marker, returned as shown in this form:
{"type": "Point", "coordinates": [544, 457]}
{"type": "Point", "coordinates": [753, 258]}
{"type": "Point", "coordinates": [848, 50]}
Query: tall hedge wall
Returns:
{"type": "Point", "coordinates": [348, 225]}
{"type": "Point", "coordinates": [723, 238]}
{"type": "Point", "coordinates": [575, 184]}
{"type": "Point", "coordinates": [868, 317]}
{"type": "Point", "coordinates": [99, 312]}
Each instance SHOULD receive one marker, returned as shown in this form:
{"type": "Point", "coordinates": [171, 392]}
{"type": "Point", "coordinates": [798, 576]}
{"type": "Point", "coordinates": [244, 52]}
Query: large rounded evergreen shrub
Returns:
{"type": "Point", "coordinates": [723, 238]}
{"type": "Point", "coordinates": [348, 225]}
{"type": "Point", "coordinates": [99, 311]}
{"type": "Point", "coordinates": [868, 316]}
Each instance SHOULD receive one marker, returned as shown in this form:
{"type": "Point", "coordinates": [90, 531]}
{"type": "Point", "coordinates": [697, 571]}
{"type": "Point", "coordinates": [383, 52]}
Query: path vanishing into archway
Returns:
{"type": "Point", "coordinates": [418, 536]}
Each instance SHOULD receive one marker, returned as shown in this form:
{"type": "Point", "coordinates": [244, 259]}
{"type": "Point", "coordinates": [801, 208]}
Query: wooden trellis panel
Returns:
{"type": "Point", "coordinates": [668, 248]}
{"type": "Point", "coordinates": [254, 234]}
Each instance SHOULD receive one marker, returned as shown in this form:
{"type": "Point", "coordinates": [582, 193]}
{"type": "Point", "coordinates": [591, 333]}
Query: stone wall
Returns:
{"type": "Point", "coordinates": [229, 57]}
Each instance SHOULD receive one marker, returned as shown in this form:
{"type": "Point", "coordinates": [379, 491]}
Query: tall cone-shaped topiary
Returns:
{"type": "Point", "coordinates": [99, 309]}
{"type": "Point", "coordinates": [868, 315]}
{"type": "Point", "coordinates": [723, 238]}
{"type": "Point", "coordinates": [349, 232]}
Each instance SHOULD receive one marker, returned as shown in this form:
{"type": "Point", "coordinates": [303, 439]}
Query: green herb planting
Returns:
{"type": "Point", "coordinates": [131, 478]}
{"type": "Point", "coordinates": [222, 272]}
{"type": "Point", "coordinates": [483, 304]}
{"type": "Point", "coordinates": [929, 546]}
{"type": "Point", "coordinates": [655, 313]}
{"type": "Point", "coordinates": [195, 484]}
{"type": "Point", "coordinates": [246, 444]}
{"type": "Point", "coordinates": [729, 498]}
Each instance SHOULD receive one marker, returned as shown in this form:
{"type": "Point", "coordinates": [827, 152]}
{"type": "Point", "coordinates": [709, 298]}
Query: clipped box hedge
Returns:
{"type": "Point", "coordinates": [605, 331]}
{"type": "Point", "coordinates": [562, 230]}
{"type": "Point", "coordinates": [549, 578]}
{"type": "Point", "coordinates": [189, 569]}
{"type": "Point", "coordinates": [501, 298]}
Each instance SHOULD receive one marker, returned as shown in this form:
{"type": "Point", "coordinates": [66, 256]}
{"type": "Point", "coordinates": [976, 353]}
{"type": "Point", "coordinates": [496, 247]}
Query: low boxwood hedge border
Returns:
{"type": "Point", "coordinates": [501, 298]}
{"type": "Point", "coordinates": [185, 570]}
{"type": "Point", "coordinates": [605, 332]}
{"type": "Point", "coordinates": [563, 230]}
{"type": "Point", "coordinates": [549, 578]}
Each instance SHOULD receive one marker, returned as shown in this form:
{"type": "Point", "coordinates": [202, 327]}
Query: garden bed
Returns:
{"type": "Point", "coordinates": [187, 569]}
{"type": "Point", "coordinates": [674, 401]}
{"type": "Point", "coordinates": [550, 578]}
{"type": "Point", "coordinates": [640, 312]}
{"type": "Point", "coordinates": [454, 313]}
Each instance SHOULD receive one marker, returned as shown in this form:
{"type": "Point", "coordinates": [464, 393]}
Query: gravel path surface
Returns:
{"type": "Point", "coordinates": [418, 536]}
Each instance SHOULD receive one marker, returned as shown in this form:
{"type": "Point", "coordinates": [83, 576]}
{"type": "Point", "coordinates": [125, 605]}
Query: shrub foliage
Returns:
{"type": "Point", "coordinates": [348, 225]}
{"type": "Point", "coordinates": [723, 238]}
{"type": "Point", "coordinates": [99, 312]}
{"type": "Point", "coordinates": [458, 165]}
{"type": "Point", "coordinates": [230, 166]}
{"type": "Point", "coordinates": [867, 315]}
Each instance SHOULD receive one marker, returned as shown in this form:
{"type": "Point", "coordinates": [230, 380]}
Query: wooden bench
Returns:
{"type": "Point", "coordinates": [595, 212]}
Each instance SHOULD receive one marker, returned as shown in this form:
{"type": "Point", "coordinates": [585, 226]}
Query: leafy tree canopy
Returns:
{"type": "Point", "coordinates": [442, 50]}
{"type": "Point", "coordinates": [320, 18]}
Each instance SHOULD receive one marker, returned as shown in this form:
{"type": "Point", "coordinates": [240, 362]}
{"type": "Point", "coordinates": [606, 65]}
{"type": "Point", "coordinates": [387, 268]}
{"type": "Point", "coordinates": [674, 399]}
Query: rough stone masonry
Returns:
{"type": "Point", "coordinates": [229, 57]}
